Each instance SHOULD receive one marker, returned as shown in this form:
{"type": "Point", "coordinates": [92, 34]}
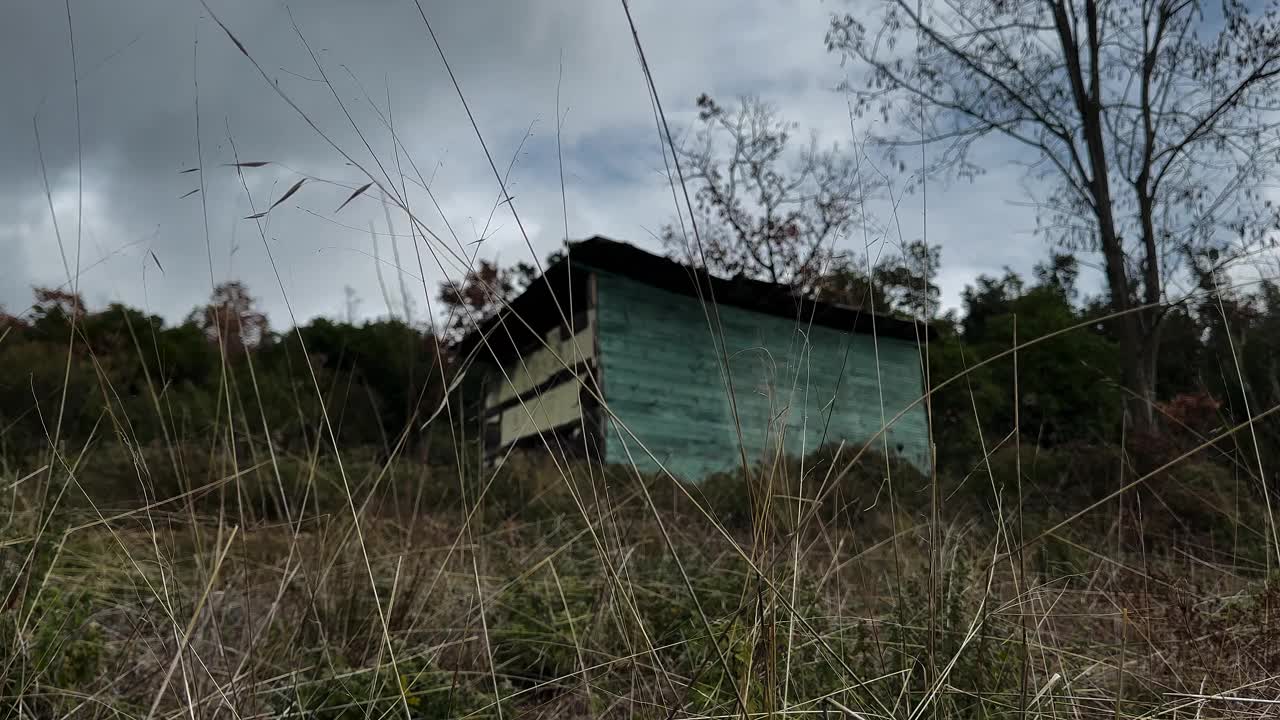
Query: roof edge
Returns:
{"type": "Point", "coordinates": [605, 254]}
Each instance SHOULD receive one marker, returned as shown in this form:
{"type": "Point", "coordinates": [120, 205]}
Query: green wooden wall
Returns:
{"type": "Point", "coordinates": [663, 378]}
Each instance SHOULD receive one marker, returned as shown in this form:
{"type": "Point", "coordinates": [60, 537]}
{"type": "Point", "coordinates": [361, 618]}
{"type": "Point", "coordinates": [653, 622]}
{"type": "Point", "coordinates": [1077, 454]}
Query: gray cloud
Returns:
{"type": "Point", "coordinates": [137, 102]}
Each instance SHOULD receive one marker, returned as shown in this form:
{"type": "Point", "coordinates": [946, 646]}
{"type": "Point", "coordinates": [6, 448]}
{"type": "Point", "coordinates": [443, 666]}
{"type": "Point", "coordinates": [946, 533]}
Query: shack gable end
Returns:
{"type": "Point", "coordinates": [802, 385]}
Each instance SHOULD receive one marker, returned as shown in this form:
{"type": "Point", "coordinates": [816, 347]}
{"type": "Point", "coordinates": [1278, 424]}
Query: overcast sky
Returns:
{"type": "Point", "coordinates": [139, 61]}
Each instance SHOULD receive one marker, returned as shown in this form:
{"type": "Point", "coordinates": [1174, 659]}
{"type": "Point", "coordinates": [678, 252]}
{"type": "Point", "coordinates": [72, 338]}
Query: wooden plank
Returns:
{"type": "Point", "coordinates": [538, 366]}
{"type": "Point", "coordinates": [558, 406]}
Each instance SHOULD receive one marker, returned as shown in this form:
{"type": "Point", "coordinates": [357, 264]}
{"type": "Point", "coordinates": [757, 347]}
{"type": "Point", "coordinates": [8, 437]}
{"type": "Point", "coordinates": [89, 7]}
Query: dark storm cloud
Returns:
{"type": "Point", "coordinates": [138, 62]}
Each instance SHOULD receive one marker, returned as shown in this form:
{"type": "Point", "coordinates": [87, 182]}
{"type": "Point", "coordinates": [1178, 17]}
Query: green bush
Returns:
{"type": "Point", "coordinates": [50, 651]}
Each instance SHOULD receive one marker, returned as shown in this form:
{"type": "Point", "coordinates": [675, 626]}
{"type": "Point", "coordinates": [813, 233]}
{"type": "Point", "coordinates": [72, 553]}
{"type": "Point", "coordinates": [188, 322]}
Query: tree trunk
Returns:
{"type": "Point", "coordinates": [1138, 352]}
{"type": "Point", "coordinates": [1142, 406]}
{"type": "Point", "coordinates": [1086, 87]}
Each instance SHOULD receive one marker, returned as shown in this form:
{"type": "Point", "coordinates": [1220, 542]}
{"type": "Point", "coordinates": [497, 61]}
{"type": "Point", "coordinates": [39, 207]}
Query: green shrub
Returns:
{"type": "Point", "coordinates": [48, 648]}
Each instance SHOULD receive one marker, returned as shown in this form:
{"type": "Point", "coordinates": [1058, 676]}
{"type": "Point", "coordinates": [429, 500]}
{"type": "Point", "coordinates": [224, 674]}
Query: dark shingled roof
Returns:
{"type": "Point", "coordinates": [537, 311]}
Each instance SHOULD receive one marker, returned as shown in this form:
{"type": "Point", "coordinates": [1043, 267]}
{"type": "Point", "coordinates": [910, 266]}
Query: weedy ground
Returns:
{"type": "Point", "coordinates": [553, 589]}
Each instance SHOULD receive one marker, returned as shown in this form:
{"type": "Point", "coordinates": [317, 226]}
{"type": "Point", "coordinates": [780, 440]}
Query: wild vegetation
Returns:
{"type": "Point", "coordinates": [222, 518]}
{"type": "Point", "coordinates": [181, 531]}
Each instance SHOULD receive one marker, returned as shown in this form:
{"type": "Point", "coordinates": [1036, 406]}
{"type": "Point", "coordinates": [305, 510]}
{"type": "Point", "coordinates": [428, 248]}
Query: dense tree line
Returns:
{"type": "Point", "coordinates": [1218, 367]}
{"type": "Point", "coordinates": [132, 374]}
{"type": "Point", "coordinates": [150, 382]}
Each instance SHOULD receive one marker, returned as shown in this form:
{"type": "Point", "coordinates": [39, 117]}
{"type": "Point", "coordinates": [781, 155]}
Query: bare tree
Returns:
{"type": "Point", "coordinates": [1150, 124]}
{"type": "Point", "coordinates": [481, 293]}
{"type": "Point", "coordinates": [764, 209]}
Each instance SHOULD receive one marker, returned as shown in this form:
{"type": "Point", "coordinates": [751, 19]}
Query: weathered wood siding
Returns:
{"type": "Point", "coordinates": [527, 401]}
{"type": "Point", "coordinates": [543, 411]}
{"type": "Point", "coordinates": [663, 378]}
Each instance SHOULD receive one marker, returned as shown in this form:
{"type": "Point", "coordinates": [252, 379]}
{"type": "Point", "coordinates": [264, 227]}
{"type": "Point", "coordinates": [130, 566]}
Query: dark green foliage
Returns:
{"type": "Point", "coordinates": [154, 384]}
{"type": "Point", "coordinates": [1065, 387]}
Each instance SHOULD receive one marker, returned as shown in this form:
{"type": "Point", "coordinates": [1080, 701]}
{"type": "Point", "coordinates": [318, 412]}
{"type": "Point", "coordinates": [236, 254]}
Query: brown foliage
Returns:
{"type": "Point", "coordinates": [232, 318]}
{"type": "Point", "coordinates": [482, 292]}
{"type": "Point", "coordinates": [1188, 420]}
{"type": "Point", "coordinates": [50, 301]}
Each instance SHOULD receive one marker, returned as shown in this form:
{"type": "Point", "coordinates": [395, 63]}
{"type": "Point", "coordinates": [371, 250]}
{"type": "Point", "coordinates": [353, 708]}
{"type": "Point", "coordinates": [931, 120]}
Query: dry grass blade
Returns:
{"type": "Point", "coordinates": [287, 194]}
{"type": "Point", "coordinates": [196, 614]}
{"type": "Point", "coordinates": [239, 45]}
{"type": "Point", "coordinates": [315, 523]}
{"type": "Point", "coordinates": [359, 191]}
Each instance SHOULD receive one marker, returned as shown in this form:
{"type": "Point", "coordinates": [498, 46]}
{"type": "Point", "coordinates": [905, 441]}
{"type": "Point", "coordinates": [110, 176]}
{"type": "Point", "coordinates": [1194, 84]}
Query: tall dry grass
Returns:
{"type": "Point", "coordinates": [216, 575]}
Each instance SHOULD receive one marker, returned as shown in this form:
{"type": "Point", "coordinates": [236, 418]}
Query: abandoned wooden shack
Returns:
{"type": "Point", "coordinates": [623, 355]}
